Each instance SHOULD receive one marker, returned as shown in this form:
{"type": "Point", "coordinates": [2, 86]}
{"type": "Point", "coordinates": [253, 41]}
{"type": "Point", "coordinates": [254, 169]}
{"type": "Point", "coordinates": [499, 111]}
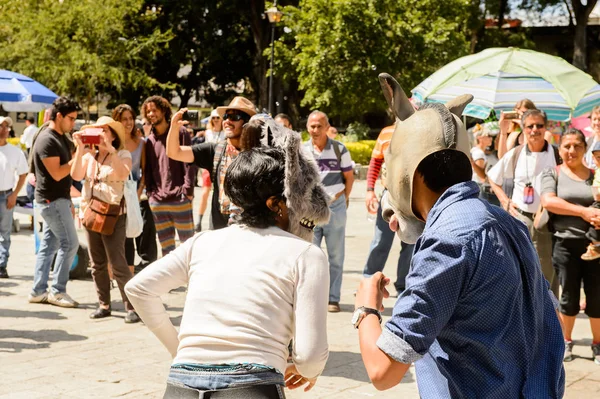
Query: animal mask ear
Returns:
{"type": "Point", "coordinates": [457, 105]}
{"type": "Point", "coordinates": [395, 96]}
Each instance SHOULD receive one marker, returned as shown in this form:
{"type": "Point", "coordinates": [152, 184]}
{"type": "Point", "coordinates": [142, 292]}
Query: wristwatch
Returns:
{"type": "Point", "coordinates": [360, 313]}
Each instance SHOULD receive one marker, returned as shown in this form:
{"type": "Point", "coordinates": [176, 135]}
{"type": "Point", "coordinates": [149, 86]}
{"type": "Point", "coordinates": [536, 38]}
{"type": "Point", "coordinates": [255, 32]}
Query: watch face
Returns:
{"type": "Point", "coordinates": [355, 316]}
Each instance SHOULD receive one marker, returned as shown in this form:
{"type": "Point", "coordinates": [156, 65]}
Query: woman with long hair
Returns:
{"type": "Point", "coordinates": [567, 195]}
{"type": "Point", "coordinates": [104, 170]}
{"type": "Point", "coordinates": [135, 144]}
{"type": "Point", "coordinates": [252, 286]}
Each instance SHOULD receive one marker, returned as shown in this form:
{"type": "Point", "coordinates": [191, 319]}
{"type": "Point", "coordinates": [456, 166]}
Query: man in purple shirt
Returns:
{"type": "Point", "coordinates": [169, 183]}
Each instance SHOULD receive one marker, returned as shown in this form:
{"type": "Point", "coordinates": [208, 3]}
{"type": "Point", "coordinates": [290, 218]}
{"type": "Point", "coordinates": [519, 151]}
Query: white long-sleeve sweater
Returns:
{"type": "Point", "coordinates": [249, 292]}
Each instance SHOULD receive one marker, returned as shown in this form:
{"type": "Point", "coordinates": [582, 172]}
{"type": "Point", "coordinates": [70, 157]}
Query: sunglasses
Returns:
{"type": "Point", "coordinates": [233, 117]}
{"type": "Point", "coordinates": [538, 125]}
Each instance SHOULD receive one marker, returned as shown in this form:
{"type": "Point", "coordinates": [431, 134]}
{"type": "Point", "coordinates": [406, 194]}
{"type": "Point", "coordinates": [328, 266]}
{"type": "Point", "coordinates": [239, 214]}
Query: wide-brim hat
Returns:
{"type": "Point", "coordinates": [240, 103]}
{"type": "Point", "coordinates": [6, 119]}
{"type": "Point", "coordinates": [116, 126]}
{"type": "Point", "coordinates": [214, 113]}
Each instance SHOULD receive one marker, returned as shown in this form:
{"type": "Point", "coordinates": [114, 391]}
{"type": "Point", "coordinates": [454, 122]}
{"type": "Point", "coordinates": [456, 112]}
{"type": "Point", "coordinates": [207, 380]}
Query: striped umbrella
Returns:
{"type": "Point", "coordinates": [499, 77]}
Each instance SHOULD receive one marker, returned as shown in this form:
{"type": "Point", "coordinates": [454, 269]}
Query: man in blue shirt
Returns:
{"type": "Point", "coordinates": [477, 317]}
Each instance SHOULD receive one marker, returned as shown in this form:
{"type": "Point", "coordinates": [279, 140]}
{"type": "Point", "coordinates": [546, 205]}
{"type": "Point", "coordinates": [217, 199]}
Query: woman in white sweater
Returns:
{"type": "Point", "coordinates": [251, 288]}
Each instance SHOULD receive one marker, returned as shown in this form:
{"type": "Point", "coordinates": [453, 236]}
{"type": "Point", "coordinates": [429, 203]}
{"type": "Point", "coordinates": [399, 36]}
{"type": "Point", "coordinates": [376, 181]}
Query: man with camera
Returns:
{"type": "Point", "coordinates": [516, 181]}
{"type": "Point", "coordinates": [214, 157]}
{"type": "Point", "coordinates": [169, 183]}
{"type": "Point", "coordinates": [51, 162]}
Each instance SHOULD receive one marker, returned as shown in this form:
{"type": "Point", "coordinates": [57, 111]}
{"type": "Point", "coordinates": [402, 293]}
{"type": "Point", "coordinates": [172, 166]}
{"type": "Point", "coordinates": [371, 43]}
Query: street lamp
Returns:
{"type": "Point", "coordinates": [274, 16]}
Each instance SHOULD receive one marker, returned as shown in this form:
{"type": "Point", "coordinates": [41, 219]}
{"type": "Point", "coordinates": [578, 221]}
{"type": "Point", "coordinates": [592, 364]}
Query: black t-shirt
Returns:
{"type": "Point", "coordinates": [204, 155]}
{"type": "Point", "coordinates": [50, 143]}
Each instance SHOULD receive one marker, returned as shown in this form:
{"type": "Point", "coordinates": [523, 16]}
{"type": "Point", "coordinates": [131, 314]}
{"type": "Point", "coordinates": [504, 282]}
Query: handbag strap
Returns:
{"type": "Point", "coordinates": [97, 172]}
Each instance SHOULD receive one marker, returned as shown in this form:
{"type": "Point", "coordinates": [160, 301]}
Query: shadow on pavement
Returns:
{"type": "Point", "coordinates": [20, 278]}
{"type": "Point", "coordinates": [41, 338]}
{"type": "Point", "coordinates": [349, 365]}
{"type": "Point", "coordinates": [40, 314]}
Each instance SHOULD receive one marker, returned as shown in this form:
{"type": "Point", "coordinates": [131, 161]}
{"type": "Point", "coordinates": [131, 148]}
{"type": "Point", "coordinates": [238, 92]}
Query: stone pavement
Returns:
{"type": "Point", "coordinates": [50, 352]}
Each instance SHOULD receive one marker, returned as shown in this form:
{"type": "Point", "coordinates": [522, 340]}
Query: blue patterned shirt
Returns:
{"type": "Point", "coordinates": [477, 316]}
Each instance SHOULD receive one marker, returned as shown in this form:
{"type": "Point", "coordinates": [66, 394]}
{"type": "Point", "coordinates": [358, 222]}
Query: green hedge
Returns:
{"type": "Point", "coordinates": [361, 151]}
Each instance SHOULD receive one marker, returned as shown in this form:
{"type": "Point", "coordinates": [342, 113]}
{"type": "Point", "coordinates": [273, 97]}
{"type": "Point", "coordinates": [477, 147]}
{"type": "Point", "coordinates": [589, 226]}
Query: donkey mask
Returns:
{"type": "Point", "coordinates": [307, 202]}
{"type": "Point", "coordinates": [434, 127]}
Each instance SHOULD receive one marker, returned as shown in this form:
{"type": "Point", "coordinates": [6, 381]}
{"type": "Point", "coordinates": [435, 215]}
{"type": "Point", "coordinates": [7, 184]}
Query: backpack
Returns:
{"type": "Point", "coordinates": [508, 185]}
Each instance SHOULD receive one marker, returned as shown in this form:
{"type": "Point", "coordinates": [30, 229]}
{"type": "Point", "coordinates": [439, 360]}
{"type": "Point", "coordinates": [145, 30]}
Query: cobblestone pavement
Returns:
{"type": "Point", "coordinates": [50, 352]}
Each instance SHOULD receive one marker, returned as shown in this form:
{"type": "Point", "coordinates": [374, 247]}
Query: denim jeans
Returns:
{"type": "Point", "coordinates": [6, 222]}
{"type": "Point", "coordinates": [203, 381]}
{"type": "Point", "coordinates": [335, 239]}
{"type": "Point", "coordinates": [59, 234]}
{"type": "Point", "coordinates": [380, 250]}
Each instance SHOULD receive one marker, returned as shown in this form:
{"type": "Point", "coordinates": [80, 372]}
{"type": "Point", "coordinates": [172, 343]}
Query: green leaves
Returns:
{"type": "Point", "coordinates": [337, 48]}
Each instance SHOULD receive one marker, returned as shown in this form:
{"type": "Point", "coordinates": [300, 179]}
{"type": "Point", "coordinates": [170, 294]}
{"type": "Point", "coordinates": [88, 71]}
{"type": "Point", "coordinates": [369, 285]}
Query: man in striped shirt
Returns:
{"type": "Point", "coordinates": [335, 166]}
{"type": "Point", "coordinates": [384, 237]}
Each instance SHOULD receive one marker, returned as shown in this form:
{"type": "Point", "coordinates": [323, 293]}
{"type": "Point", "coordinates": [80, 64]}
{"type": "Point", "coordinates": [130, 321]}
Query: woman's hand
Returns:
{"type": "Point", "coordinates": [106, 142]}
{"type": "Point", "coordinates": [81, 148]}
{"type": "Point", "coordinates": [293, 379]}
{"type": "Point", "coordinates": [510, 207]}
{"type": "Point", "coordinates": [591, 215]}
{"type": "Point", "coordinates": [177, 118]}
{"type": "Point", "coordinates": [504, 124]}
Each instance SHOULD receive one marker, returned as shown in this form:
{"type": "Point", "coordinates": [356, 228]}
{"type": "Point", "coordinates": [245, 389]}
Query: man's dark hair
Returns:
{"type": "Point", "coordinates": [64, 106]}
{"type": "Point", "coordinates": [445, 168]}
{"type": "Point", "coordinates": [533, 112]}
{"type": "Point", "coordinates": [252, 178]}
{"type": "Point", "coordinates": [284, 116]}
{"type": "Point", "coordinates": [30, 119]}
{"type": "Point", "coordinates": [160, 103]}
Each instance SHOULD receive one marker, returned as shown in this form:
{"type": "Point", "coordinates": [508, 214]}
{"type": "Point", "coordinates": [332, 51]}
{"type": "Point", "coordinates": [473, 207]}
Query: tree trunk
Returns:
{"type": "Point", "coordinates": [582, 14]}
{"type": "Point", "coordinates": [501, 12]}
{"type": "Point", "coordinates": [260, 33]}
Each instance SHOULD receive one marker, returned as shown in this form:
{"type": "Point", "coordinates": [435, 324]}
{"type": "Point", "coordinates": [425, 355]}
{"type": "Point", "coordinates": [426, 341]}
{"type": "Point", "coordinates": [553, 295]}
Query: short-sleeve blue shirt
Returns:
{"type": "Point", "coordinates": [477, 316]}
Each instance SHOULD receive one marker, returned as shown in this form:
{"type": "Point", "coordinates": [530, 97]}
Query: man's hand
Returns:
{"type": "Point", "coordinates": [11, 200]}
{"type": "Point", "coordinates": [294, 380]}
{"type": "Point", "coordinates": [371, 292]}
{"type": "Point", "coordinates": [371, 202]}
{"type": "Point", "coordinates": [177, 118]}
{"type": "Point", "coordinates": [190, 197]}
{"type": "Point", "coordinates": [510, 207]}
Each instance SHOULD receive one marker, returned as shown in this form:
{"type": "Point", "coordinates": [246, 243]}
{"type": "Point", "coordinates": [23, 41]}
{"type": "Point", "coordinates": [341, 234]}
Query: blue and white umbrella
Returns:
{"type": "Point", "coordinates": [498, 78]}
{"type": "Point", "coordinates": [21, 93]}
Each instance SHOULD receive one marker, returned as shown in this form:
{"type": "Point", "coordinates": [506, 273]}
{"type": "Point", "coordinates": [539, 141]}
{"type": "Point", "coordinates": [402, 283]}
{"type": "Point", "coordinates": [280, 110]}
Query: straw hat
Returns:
{"type": "Point", "coordinates": [116, 126]}
{"type": "Point", "coordinates": [239, 103]}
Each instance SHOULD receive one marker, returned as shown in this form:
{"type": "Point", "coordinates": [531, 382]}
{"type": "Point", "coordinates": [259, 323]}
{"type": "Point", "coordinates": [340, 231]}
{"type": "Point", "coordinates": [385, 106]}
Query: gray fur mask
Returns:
{"type": "Point", "coordinates": [307, 202]}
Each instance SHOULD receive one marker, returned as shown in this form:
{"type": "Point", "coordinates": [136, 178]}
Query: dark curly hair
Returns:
{"type": "Point", "coordinates": [64, 106]}
{"type": "Point", "coordinates": [160, 103]}
{"type": "Point", "coordinates": [252, 178]}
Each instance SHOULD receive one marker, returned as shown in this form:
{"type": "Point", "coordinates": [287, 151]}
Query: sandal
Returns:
{"type": "Point", "coordinates": [592, 253]}
{"type": "Point", "coordinates": [100, 313]}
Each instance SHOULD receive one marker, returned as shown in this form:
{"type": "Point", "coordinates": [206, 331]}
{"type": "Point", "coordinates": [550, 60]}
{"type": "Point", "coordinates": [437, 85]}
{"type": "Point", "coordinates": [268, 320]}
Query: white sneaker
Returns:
{"type": "Point", "coordinates": [63, 300]}
{"type": "Point", "coordinates": [42, 298]}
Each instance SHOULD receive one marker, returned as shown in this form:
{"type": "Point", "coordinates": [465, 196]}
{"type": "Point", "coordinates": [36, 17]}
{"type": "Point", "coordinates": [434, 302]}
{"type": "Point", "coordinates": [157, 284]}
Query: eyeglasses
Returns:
{"type": "Point", "coordinates": [233, 117]}
{"type": "Point", "coordinates": [538, 125]}
{"type": "Point", "coordinates": [71, 118]}
{"type": "Point", "coordinates": [216, 117]}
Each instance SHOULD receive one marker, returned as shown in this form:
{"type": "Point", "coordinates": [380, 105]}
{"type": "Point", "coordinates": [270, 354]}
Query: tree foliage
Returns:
{"type": "Point", "coordinates": [82, 48]}
{"type": "Point", "coordinates": [336, 48]}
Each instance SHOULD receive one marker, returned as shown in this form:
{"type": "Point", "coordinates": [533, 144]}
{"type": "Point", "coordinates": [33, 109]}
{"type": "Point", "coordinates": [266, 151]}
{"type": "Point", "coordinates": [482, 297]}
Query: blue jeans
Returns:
{"type": "Point", "coordinates": [335, 239]}
{"type": "Point", "coordinates": [380, 250]}
{"type": "Point", "coordinates": [59, 234]}
{"type": "Point", "coordinates": [239, 380]}
{"type": "Point", "coordinates": [6, 222]}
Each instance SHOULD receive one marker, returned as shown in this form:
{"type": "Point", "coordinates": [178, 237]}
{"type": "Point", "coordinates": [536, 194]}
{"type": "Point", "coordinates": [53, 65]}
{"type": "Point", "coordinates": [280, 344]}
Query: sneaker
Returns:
{"type": "Point", "coordinates": [3, 272]}
{"type": "Point", "coordinates": [42, 298]}
{"type": "Point", "coordinates": [63, 300]}
{"type": "Point", "coordinates": [592, 253]}
{"type": "Point", "coordinates": [132, 317]}
{"type": "Point", "coordinates": [568, 351]}
{"type": "Point", "coordinates": [596, 353]}
{"type": "Point", "coordinates": [100, 313]}
{"type": "Point", "coordinates": [333, 307]}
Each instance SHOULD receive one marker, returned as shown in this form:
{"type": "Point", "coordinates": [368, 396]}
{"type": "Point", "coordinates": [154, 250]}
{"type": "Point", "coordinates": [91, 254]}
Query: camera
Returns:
{"type": "Point", "coordinates": [91, 135]}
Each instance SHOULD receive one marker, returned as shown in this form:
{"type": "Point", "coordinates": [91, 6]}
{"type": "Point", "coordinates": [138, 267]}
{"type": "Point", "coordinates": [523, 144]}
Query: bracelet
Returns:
{"type": "Point", "coordinates": [370, 189]}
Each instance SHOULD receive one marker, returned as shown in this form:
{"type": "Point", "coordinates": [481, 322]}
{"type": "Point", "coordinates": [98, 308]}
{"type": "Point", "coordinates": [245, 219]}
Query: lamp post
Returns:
{"type": "Point", "coordinates": [274, 16]}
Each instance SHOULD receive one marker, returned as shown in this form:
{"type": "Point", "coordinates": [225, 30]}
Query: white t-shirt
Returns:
{"type": "Point", "coordinates": [249, 292]}
{"type": "Point", "coordinates": [214, 137]}
{"type": "Point", "coordinates": [477, 154]}
{"type": "Point", "coordinates": [12, 164]}
{"type": "Point", "coordinates": [27, 136]}
{"type": "Point", "coordinates": [529, 168]}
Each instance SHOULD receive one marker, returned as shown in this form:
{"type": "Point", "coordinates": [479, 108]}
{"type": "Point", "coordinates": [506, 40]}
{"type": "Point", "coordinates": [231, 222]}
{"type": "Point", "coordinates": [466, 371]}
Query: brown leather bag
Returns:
{"type": "Point", "coordinates": [101, 217]}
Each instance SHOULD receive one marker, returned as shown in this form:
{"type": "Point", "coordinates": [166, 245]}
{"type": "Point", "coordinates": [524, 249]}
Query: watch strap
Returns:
{"type": "Point", "coordinates": [372, 311]}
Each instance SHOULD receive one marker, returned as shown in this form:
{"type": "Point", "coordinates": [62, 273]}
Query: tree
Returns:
{"type": "Point", "coordinates": [83, 49]}
{"type": "Point", "coordinates": [338, 48]}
